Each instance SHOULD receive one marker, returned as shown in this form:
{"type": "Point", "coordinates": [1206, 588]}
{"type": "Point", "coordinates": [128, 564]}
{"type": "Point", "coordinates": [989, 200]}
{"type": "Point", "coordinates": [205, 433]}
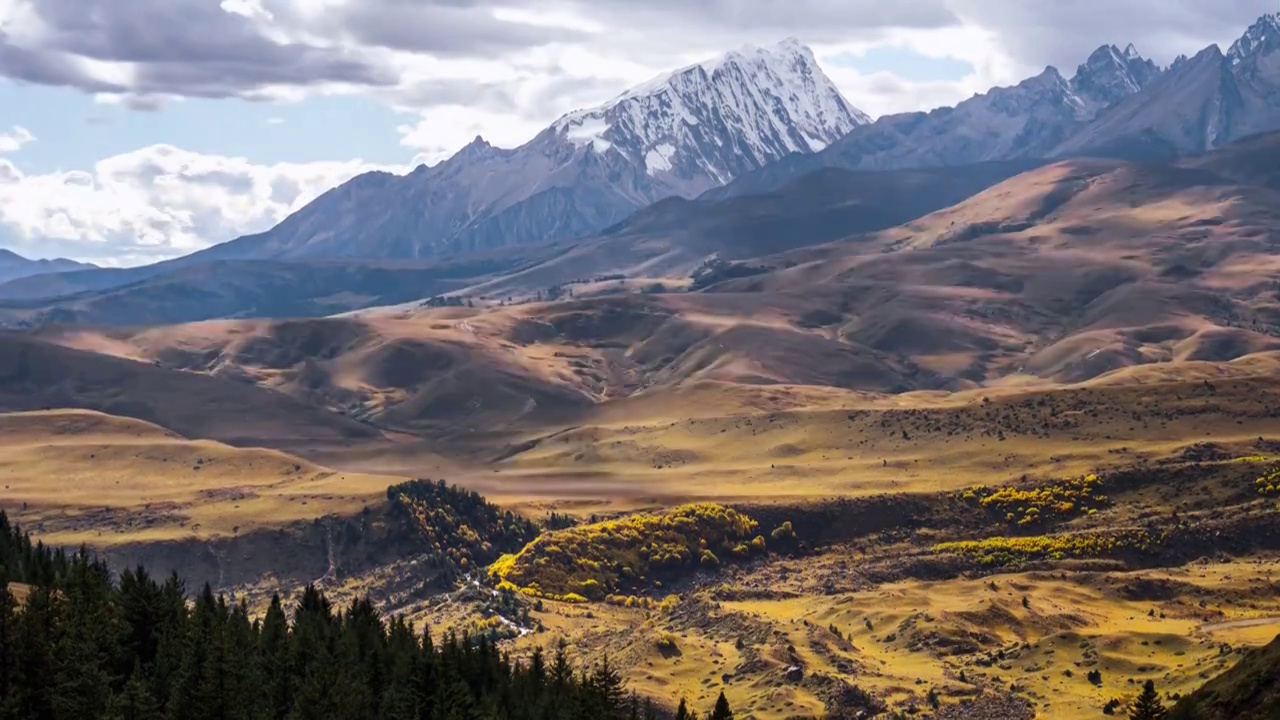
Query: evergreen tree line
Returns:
{"type": "Point", "coordinates": [82, 647]}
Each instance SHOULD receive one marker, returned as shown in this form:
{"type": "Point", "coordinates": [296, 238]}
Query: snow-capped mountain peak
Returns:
{"type": "Point", "coordinates": [715, 119]}
{"type": "Point", "coordinates": [680, 134]}
{"type": "Point", "coordinates": [1263, 32]}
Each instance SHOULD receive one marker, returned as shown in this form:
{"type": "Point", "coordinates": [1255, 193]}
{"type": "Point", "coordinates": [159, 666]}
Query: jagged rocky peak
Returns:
{"type": "Point", "coordinates": [479, 147]}
{"type": "Point", "coordinates": [1262, 36]}
{"type": "Point", "coordinates": [1049, 86]}
{"type": "Point", "coordinates": [1111, 74]}
{"type": "Point", "coordinates": [759, 102]}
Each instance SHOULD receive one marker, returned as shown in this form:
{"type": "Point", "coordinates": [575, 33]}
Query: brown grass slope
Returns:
{"type": "Point", "coordinates": [1065, 272]}
{"type": "Point", "coordinates": [672, 237]}
{"type": "Point", "coordinates": [428, 369]}
{"type": "Point", "coordinates": [78, 476]}
{"type": "Point", "coordinates": [37, 375]}
{"type": "Point", "coordinates": [1081, 271]}
{"type": "Point", "coordinates": [537, 365]}
{"type": "Point", "coordinates": [1248, 691]}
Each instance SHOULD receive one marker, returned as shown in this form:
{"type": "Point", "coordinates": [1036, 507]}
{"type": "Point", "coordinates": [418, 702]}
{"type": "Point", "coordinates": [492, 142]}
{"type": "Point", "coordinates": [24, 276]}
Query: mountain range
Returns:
{"type": "Point", "coordinates": [639, 184]}
{"type": "Point", "coordinates": [677, 135]}
{"type": "Point", "coordinates": [700, 128]}
{"type": "Point", "coordinates": [1116, 105]}
{"type": "Point", "coordinates": [14, 266]}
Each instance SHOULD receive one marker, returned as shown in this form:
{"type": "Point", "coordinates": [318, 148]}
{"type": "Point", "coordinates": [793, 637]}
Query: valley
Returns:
{"type": "Point", "coordinates": [972, 413]}
{"type": "Point", "coordinates": [884, 595]}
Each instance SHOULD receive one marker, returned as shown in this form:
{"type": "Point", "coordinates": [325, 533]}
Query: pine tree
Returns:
{"type": "Point", "coordinates": [608, 684]}
{"type": "Point", "coordinates": [86, 651]}
{"type": "Point", "coordinates": [273, 651]}
{"type": "Point", "coordinates": [1148, 705]}
{"type": "Point", "coordinates": [8, 629]}
{"type": "Point", "coordinates": [561, 669]}
{"type": "Point", "coordinates": [142, 609]}
{"type": "Point", "coordinates": [682, 712]}
{"type": "Point", "coordinates": [135, 701]}
{"type": "Point", "coordinates": [722, 711]}
{"type": "Point", "coordinates": [79, 647]}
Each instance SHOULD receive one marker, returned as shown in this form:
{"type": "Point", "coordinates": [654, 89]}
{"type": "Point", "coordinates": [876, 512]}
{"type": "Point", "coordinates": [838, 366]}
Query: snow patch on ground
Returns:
{"type": "Point", "coordinates": [658, 159]}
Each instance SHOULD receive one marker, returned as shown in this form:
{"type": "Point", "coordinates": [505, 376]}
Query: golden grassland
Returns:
{"type": "Point", "coordinates": [915, 443]}
{"type": "Point", "coordinates": [1041, 633]}
{"type": "Point", "coordinates": [74, 476]}
{"type": "Point", "coordinates": [1023, 453]}
{"type": "Point", "coordinates": [737, 626]}
{"type": "Point", "coordinates": [1069, 639]}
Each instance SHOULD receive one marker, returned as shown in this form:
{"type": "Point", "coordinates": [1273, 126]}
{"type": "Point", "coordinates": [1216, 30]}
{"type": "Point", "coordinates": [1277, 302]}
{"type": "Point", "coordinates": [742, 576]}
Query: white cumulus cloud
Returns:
{"type": "Point", "coordinates": [156, 203]}
{"type": "Point", "coordinates": [13, 140]}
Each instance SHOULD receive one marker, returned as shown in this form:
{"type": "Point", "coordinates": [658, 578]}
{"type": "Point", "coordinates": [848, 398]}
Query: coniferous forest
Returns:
{"type": "Point", "coordinates": [78, 646]}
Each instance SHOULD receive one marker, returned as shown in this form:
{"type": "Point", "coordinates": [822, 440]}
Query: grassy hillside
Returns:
{"type": "Point", "coordinates": [76, 476]}
{"type": "Point", "coordinates": [37, 375]}
{"type": "Point", "coordinates": [1248, 691]}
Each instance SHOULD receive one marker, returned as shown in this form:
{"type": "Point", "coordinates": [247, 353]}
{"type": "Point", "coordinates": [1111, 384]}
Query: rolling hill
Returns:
{"type": "Point", "coordinates": [1082, 284]}
{"type": "Point", "coordinates": [79, 476]}
{"type": "Point", "coordinates": [1064, 272]}
{"type": "Point", "coordinates": [1060, 274]}
{"type": "Point", "coordinates": [38, 375]}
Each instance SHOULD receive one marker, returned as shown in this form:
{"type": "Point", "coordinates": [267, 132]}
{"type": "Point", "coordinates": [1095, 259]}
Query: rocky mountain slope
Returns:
{"type": "Point", "coordinates": [677, 135]}
{"type": "Point", "coordinates": [1197, 104]}
{"type": "Point", "coordinates": [1028, 120]}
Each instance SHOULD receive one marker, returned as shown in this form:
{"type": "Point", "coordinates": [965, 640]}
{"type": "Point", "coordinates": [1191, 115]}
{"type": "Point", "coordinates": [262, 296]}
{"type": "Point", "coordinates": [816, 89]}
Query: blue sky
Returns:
{"type": "Point", "coordinates": [74, 130]}
{"type": "Point", "coordinates": [904, 63]}
{"type": "Point", "coordinates": [138, 130]}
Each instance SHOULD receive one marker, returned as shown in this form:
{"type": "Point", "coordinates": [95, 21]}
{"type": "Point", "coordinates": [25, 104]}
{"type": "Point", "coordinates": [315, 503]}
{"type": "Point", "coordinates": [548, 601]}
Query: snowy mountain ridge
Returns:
{"type": "Point", "coordinates": [772, 114]}
{"type": "Point", "coordinates": [772, 101]}
{"type": "Point", "coordinates": [680, 134]}
{"type": "Point", "coordinates": [1265, 30]}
